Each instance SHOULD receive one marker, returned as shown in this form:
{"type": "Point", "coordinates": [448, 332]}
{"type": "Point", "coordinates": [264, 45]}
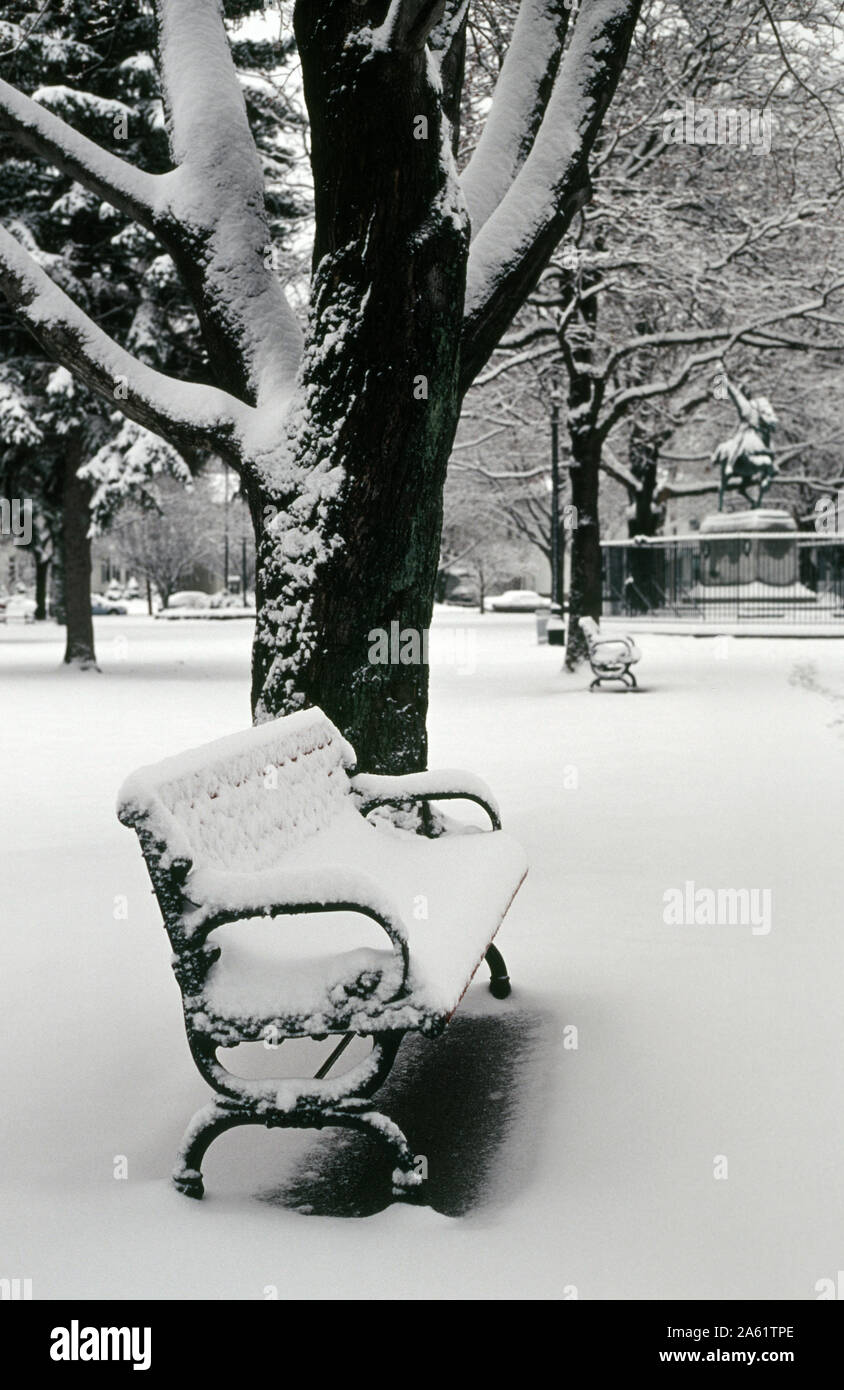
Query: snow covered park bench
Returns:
{"type": "Point", "coordinates": [271, 823]}
{"type": "Point", "coordinates": [610, 657]}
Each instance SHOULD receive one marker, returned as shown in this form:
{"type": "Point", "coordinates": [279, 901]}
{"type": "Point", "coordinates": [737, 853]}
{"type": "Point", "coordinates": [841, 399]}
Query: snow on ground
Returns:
{"type": "Point", "coordinates": [551, 1168]}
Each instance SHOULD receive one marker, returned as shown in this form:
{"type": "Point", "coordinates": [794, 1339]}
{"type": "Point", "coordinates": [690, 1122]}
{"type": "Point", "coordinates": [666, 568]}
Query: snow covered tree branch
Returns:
{"type": "Point", "coordinates": [754, 332]}
{"type": "Point", "coordinates": [35, 129]}
{"type": "Point", "coordinates": [519, 103]}
{"type": "Point", "coordinates": [409, 24]}
{"type": "Point", "coordinates": [516, 241]}
{"type": "Point", "coordinates": [185, 414]}
{"type": "Point", "coordinates": [447, 43]}
{"type": "Point", "coordinates": [215, 209]}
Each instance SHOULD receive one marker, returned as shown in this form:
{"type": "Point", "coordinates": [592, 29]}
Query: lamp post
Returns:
{"type": "Point", "coordinates": [556, 545]}
{"type": "Point", "coordinates": [225, 528]}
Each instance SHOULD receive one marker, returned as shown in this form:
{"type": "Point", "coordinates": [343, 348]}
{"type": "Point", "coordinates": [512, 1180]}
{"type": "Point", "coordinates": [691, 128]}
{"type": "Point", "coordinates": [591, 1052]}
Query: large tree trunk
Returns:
{"type": "Point", "coordinates": [646, 515]}
{"type": "Point", "coordinates": [585, 590]}
{"type": "Point", "coordinates": [644, 518]}
{"type": "Point", "coordinates": [42, 573]}
{"type": "Point", "coordinates": [76, 556]}
{"type": "Point", "coordinates": [379, 403]}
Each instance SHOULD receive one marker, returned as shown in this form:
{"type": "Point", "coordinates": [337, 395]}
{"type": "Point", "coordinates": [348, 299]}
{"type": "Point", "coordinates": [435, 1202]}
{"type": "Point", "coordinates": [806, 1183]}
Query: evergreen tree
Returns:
{"type": "Point", "coordinates": [93, 64]}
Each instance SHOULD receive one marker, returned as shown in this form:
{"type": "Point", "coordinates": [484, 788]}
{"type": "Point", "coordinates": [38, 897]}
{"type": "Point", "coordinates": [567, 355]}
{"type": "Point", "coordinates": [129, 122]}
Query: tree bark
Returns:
{"type": "Point", "coordinates": [645, 514]}
{"type": "Point", "coordinates": [76, 555]}
{"type": "Point", "coordinates": [585, 587]}
{"type": "Point", "coordinates": [42, 572]}
{"type": "Point", "coordinates": [645, 518]}
{"type": "Point", "coordinates": [389, 273]}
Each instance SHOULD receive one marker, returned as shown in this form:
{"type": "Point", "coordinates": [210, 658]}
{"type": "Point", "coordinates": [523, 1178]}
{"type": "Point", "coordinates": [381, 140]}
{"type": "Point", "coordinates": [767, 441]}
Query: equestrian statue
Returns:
{"type": "Point", "coordinates": [746, 458]}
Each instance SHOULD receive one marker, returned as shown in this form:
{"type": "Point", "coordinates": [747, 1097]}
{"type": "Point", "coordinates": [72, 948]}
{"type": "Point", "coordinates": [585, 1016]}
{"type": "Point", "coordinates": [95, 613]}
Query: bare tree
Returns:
{"type": "Point", "coordinates": [688, 254]}
{"type": "Point", "coordinates": [164, 541]}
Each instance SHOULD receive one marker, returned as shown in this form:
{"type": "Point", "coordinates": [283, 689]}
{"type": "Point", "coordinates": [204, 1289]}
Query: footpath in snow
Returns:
{"type": "Point", "coordinates": [655, 1112]}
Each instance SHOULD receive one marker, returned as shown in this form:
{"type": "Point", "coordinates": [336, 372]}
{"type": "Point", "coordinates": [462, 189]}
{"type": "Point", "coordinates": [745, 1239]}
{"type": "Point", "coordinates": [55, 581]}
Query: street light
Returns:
{"type": "Point", "coordinates": [556, 547]}
{"type": "Point", "coordinates": [225, 527]}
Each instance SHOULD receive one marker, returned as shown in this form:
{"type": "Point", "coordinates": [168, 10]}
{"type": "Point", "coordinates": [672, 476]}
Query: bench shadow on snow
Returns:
{"type": "Point", "coordinates": [458, 1099]}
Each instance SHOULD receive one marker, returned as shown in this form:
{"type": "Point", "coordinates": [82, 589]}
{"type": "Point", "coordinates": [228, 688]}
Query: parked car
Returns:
{"type": "Point", "coordinates": [463, 595]}
{"type": "Point", "coordinates": [106, 607]}
{"type": "Point", "coordinates": [17, 608]}
{"type": "Point", "coordinates": [518, 601]}
{"type": "Point", "coordinates": [189, 598]}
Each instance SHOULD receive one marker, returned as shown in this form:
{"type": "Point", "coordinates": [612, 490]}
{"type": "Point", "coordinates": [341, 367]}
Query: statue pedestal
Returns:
{"type": "Point", "coordinates": [751, 556]}
{"type": "Point", "coordinates": [763, 519]}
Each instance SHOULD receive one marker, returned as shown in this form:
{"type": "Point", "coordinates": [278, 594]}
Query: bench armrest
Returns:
{"type": "Point", "coordinates": [216, 898]}
{"type": "Point", "coordinates": [626, 642]}
{"type": "Point", "coordinates": [371, 789]}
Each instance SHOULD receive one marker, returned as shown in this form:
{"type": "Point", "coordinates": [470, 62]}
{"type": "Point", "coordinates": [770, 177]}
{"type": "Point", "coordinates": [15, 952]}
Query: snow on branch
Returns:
{"type": "Point", "coordinates": [518, 105]}
{"type": "Point", "coordinates": [408, 25]}
{"type": "Point", "coordinates": [447, 45]}
{"type": "Point", "coordinates": [447, 32]}
{"type": "Point", "coordinates": [209, 211]}
{"type": "Point", "coordinates": [756, 333]}
{"type": "Point", "coordinates": [37, 130]}
{"type": "Point", "coordinates": [531, 355]}
{"type": "Point", "coordinates": [218, 189]}
{"type": "Point", "coordinates": [185, 414]}
{"type": "Point", "coordinates": [614, 468]}
{"type": "Point", "coordinates": [519, 476]}
{"type": "Point", "coordinates": [516, 242]}
{"type": "Point", "coordinates": [481, 439]}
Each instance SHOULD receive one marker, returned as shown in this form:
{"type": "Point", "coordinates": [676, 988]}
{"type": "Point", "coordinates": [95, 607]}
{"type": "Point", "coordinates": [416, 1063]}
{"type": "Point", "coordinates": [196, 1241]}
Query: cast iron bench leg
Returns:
{"type": "Point", "coordinates": [499, 985]}
{"type": "Point", "coordinates": [207, 1124]}
{"type": "Point", "coordinates": [349, 1112]}
{"type": "Point", "coordinates": [216, 1118]}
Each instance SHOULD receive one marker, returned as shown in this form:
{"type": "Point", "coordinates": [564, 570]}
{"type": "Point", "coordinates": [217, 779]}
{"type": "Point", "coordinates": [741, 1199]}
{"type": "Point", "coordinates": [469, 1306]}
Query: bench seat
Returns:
{"type": "Point", "coordinates": [299, 975]}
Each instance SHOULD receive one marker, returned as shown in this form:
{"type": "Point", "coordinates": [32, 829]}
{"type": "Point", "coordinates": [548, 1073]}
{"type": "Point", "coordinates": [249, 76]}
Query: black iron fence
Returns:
{"type": "Point", "coordinates": [742, 578]}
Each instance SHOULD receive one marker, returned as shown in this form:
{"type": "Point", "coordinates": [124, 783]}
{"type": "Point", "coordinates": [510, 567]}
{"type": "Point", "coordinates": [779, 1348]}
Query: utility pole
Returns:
{"type": "Point", "coordinates": [243, 568]}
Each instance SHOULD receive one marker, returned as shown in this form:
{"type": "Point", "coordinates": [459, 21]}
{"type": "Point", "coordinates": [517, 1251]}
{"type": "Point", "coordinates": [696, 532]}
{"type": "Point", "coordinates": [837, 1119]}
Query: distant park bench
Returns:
{"type": "Point", "coordinates": [610, 657]}
{"type": "Point", "coordinates": [271, 823]}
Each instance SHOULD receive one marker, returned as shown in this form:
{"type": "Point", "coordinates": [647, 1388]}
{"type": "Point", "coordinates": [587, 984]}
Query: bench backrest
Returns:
{"type": "Point", "coordinates": [238, 803]}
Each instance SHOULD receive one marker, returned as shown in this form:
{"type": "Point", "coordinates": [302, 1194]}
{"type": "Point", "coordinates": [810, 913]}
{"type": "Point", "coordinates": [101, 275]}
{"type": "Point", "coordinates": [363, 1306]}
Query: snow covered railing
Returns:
{"type": "Point", "coordinates": [268, 825]}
